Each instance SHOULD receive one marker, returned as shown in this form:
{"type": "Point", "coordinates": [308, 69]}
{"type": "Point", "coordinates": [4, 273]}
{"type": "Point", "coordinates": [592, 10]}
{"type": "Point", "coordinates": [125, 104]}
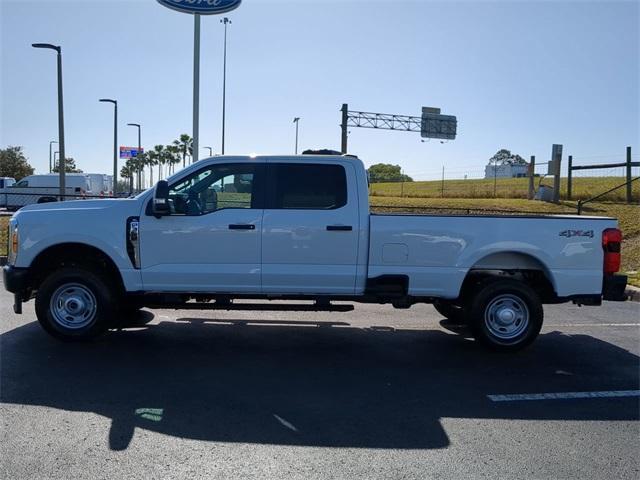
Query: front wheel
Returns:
{"type": "Point", "coordinates": [505, 315]}
{"type": "Point", "coordinates": [75, 304]}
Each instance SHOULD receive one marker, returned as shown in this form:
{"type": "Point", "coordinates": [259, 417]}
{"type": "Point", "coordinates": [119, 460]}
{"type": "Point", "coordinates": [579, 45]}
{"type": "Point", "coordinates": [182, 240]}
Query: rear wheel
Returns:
{"type": "Point", "coordinates": [74, 303]}
{"type": "Point", "coordinates": [452, 312]}
{"type": "Point", "coordinates": [505, 315]}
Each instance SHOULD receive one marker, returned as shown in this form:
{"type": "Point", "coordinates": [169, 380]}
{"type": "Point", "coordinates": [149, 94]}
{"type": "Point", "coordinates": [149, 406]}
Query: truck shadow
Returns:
{"type": "Point", "coordinates": [307, 383]}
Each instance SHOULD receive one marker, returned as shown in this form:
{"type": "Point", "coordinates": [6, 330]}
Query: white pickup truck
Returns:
{"type": "Point", "coordinates": [230, 228]}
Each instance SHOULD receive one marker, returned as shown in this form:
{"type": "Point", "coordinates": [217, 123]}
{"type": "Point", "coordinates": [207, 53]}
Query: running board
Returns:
{"type": "Point", "coordinates": [269, 307]}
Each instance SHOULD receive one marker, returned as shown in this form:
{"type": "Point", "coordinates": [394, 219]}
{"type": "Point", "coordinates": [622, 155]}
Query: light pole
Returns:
{"type": "Point", "coordinates": [139, 127]}
{"type": "Point", "coordinates": [58, 49]}
{"type": "Point", "coordinates": [50, 143]}
{"type": "Point", "coordinates": [210, 150]}
{"type": "Point", "coordinates": [226, 22]}
{"type": "Point", "coordinates": [296, 120]}
{"type": "Point", "coordinates": [55, 159]}
{"type": "Point", "coordinates": [115, 142]}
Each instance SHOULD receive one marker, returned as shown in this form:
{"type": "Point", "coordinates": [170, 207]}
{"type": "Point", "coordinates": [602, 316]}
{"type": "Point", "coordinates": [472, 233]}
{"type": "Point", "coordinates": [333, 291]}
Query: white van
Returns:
{"type": "Point", "coordinates": [46, 188]}
{"type": "Point", "coordinates": [101, 183]}
{"type": "Point", "coordinates": [5, 182]}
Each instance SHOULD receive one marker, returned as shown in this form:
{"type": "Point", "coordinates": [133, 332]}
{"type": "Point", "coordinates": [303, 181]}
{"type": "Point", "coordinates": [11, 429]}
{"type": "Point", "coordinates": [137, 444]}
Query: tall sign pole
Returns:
{"type": "Point", "coordinates": [197, 9]}
{"type": "Point", "coordinates": [196, 84]}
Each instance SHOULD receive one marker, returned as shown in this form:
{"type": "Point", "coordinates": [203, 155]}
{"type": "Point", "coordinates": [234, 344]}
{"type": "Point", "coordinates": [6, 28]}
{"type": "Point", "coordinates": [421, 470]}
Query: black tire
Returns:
{"type": "Point", "coordinates": [522, 310]}
{"type": "Point", "coordinates": [452, 312]}
{"type": "Point", "coordinates": [93, 297]}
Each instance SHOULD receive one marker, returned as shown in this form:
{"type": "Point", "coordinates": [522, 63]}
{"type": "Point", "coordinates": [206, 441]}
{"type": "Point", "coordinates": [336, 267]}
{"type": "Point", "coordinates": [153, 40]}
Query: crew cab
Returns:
{"type": "Point", "coordinates": [230, 228]}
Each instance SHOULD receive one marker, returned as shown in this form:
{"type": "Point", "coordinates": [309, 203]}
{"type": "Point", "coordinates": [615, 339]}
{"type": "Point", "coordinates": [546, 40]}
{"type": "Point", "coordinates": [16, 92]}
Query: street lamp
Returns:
{"type": "Point", "coordinates": [296, 120]}
{"type": "Point", "coordinates": [55, 159]}
{"type": "Point", "coordinates": [210, 151]}
{"type": "Point", "coordinates": [115, 142]}
{"type": "Point", "coordinates": [58, 49]}
{"type": "Point", "coordinates": [139, 127]}
{"type": "Point", "coordinates": [50, 143]}
{"type": "Point", "coordinates": [226, 22]}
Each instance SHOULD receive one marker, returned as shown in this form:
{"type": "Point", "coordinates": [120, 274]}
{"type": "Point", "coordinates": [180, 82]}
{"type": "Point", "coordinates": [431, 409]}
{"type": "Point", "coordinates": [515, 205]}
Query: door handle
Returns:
{"type": "Point", "coordinates": [339, 228]}
{"type": "Point", "coordinates": [242, 226]}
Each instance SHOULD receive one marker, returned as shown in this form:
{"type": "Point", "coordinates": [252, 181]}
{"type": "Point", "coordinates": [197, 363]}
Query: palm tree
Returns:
{"type": "Point", "coordinates": [140, 161]}
{"type": "Point", "coordinates": [185, 144]}
{"type": "Point", "coordinates": [151, 162]}
{"type": "Point", "coordinates": [160, 157]}
{"type": "Point", "coordinates": [173, 156]}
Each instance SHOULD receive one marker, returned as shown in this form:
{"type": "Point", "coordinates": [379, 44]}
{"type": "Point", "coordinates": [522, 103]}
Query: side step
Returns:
{"type": "Point", "coordinates": [270, 307]}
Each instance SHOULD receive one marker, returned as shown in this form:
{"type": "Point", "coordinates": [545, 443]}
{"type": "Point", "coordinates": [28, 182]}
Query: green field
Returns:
{"type": "Point", "coordinates": [582, 189]}
{"type": "Point", "coordinates": [628, 216]}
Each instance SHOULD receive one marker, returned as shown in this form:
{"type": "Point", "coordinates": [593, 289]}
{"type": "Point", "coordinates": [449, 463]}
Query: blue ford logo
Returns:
{"type": "Point", "coordinates": [204, 7]}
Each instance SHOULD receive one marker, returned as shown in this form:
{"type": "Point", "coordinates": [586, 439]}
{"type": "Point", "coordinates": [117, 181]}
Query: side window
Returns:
{"type": "Point", "coordinates": [214, 188]}
{"type": "Point", "coordinates": [21, 183]}
{"type": "Point", "coordinates": [308, 186]}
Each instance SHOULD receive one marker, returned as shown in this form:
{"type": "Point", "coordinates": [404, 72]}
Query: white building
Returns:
{"type": "Point", "coordinates": [506, 171]}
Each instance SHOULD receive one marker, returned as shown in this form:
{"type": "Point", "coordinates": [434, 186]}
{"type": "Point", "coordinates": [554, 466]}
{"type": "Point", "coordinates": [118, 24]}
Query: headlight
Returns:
{"type": "Point", "coordinates": [14, 242]}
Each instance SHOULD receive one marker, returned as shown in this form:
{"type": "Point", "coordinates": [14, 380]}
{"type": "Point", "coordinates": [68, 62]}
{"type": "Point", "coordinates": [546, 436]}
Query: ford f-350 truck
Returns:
{"type": "Point", "coordinates": [229, 228]}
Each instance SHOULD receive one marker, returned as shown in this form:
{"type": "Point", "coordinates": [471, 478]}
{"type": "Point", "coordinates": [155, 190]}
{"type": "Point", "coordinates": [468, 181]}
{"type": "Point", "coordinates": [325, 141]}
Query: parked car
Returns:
{"type": "Point", "coordinates": [299, 228]}
{"type": "Point", "coordinates": [46, 188]}
{"type": "Point", "coordinates": [5, 182]}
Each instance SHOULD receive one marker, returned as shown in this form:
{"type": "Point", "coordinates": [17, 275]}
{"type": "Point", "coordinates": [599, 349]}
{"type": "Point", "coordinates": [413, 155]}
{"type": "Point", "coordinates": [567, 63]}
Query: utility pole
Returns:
{"type": "Point", "coordinates": [196, 85]}
{"type": "Point", "coordinates": [343, 125]}
{"type": "Point", "coordinates": [296, 120]}
{"type": "Point", "coordinates": [226, 22]}
{"type": "Point", "coordinates": [115, 142]}
{"type": "Point", "coordinates": [50, 165]}
{"type": "Point", "coordinates": [58, 49]}
{"type": "Point", "coordinates": [139, 169]}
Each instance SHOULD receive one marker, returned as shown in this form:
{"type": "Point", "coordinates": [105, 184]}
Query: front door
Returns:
{"type": "Point", "coordinates": [211, 240]}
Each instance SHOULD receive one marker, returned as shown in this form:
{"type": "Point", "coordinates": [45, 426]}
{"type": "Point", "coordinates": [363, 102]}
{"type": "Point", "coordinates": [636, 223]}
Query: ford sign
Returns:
{"type": "Point", "coordinates": [203, 7]}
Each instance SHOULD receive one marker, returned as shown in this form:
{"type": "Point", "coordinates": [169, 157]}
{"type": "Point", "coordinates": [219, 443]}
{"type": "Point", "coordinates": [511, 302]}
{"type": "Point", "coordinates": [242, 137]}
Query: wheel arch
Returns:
{"type": "Point", "coordinates": [512, 264]}
{"type": "Point", "coordinates": [74, 254]}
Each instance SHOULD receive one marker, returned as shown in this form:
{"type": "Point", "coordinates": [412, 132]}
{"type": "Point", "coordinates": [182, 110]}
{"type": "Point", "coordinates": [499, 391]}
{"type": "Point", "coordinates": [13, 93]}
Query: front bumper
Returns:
{"type": "Point", "coordinates": [613, 288]}
{"type": "Point", "coordinates": [16, 280]}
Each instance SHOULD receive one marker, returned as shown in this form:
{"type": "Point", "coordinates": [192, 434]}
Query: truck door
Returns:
{"type": "Point", "coordinates": [310, 229]}
{"type": "Point", "coordinates": [211, 241]}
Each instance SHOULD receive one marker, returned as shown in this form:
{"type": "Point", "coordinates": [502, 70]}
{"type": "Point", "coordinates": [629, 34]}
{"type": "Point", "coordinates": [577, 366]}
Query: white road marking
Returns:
{"type": "Point", "coordinates": [593, 325]}
{"type": "Point", "coordinates": [564, 395]}
{"type": "Point", "coordinates": [285, 423]}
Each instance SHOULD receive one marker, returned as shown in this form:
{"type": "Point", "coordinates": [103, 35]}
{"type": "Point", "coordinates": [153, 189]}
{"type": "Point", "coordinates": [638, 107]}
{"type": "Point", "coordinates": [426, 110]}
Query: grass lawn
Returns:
{"type": "Point", "coordinates": [627, 215]}
{"type": "Point", "coordinates": [4, 223]}
{"type": "Point", "coordinates": [582, 189]}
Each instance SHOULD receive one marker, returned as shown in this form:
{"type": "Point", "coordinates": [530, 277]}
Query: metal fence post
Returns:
{"type": "Point", "coordinates": [532, 173]}
{"type": "Point", "coordinates": [569, 177]}
{"type": "Point", "coordinates": [628, 174]}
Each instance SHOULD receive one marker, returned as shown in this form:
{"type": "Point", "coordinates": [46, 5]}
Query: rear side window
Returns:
{"type": "Point", "coordinates": [307, 186]}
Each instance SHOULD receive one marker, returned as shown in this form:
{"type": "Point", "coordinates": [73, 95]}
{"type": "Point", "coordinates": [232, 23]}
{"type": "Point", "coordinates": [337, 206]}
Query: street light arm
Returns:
{"type": "Point", "coordinates": [115, 102]}
{"type": "Point", "coordinates": [47, 45]}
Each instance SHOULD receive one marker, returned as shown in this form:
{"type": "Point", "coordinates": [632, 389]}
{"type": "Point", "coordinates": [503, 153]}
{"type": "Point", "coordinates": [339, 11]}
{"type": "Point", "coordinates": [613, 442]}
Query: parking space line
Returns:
{"type": "Point", "coordinates": [563, 395]}
{"type": "Point", "coordinates": [592, 325]}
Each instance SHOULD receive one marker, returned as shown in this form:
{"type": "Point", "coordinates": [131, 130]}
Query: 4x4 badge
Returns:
{"type": "Point", "coordinates": [577, 233]}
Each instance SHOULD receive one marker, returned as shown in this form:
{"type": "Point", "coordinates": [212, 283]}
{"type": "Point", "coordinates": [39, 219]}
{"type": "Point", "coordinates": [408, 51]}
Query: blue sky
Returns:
{"type": "Point", "coordinates": [519, 75]}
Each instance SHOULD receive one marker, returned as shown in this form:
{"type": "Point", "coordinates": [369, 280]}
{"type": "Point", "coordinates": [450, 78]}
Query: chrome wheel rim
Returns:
{"type": "Point", "coordinates": [73, 306]}
{"type": "Point", "coordinates": [506, 317]}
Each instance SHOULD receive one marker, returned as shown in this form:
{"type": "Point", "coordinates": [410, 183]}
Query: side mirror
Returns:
{"type": "Point", "coordinates": [160, 201]}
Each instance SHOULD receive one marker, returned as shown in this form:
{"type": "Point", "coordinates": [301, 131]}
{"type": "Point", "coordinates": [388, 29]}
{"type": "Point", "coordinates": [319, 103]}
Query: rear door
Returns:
{"type": "Point", "coordinates": [310, 228]}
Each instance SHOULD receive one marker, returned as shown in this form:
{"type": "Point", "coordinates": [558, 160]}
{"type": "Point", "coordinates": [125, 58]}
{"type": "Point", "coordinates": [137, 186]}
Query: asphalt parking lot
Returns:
{"type": "Point", "coordinates": [373, 393]}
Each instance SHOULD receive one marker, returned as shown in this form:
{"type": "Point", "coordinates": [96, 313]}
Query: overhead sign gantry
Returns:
{"type": "Point", "coordinates": [431, 124]}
